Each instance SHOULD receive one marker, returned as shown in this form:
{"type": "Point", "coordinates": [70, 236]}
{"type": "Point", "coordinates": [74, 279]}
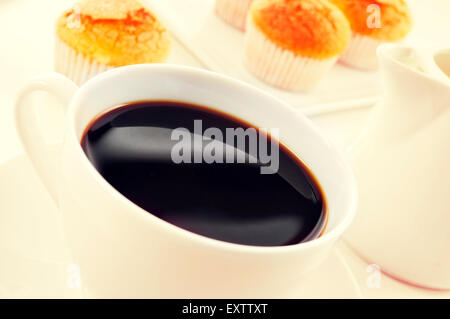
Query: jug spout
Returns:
{"type": "Point", "coordinates": [441, 64]}
{"type": "Point", "coordinates": [413, 94]}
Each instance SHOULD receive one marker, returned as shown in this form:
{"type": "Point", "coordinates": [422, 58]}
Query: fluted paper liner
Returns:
{"type": "Point", "coordinates": [280, 67]}
{"type": "Point", "coordinates": [76, 66]}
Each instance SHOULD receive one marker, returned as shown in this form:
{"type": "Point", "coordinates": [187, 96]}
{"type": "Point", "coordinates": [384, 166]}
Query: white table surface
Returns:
{"type": "Point", "coordinates": [26, 33]}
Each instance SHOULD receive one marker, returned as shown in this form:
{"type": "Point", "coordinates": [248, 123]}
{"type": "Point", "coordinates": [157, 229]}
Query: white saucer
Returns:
{"type": "Point", "coordinates": [35, 262]}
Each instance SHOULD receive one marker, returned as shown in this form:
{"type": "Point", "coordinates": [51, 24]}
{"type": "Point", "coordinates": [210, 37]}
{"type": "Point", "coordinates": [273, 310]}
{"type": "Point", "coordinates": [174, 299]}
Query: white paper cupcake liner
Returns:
{"type": "Point", "coordinates": [361, 52]}
{"type": "Point", "coordinates": [234, 12]}
{"type": "Point", "coordinates": [279, 67]}
{"type": "Point", "coordinates": [74, 65]}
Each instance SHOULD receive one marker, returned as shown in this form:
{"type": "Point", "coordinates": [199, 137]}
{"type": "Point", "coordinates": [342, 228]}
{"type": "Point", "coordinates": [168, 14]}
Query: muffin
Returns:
{"type": "Point", "coordinates": [97, 35]}
{"type": "Point", "coordinates": [292, 44]}
{"type": "Point", "coordinates": [373, 22]}
{"type": "Point", "coordinates": [233, 12]}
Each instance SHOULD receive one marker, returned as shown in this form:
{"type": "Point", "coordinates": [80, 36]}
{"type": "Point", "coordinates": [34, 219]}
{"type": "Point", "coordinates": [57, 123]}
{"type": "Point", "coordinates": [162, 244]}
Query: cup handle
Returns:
{"type": "Point", "coordinates": [36, 146]}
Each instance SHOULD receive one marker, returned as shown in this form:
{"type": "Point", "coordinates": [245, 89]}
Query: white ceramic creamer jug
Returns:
{"type": "Point", "coordinates": [402, 167]}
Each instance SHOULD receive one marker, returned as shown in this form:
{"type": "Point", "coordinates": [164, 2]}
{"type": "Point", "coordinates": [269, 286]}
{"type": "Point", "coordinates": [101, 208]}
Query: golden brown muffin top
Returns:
{"type": "Point", "coordinates": [311, 28]}
{"type": "Point", "coordinates": [394, 17]}
{"type": "Point", "coordinates": [108, 9]}
{"type": "Point", "coordinates": [114, 32]}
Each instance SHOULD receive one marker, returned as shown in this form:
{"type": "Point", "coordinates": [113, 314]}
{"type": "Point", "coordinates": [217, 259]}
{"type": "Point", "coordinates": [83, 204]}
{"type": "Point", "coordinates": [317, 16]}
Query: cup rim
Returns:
{"type": "Point", "coordinates": [351, 192]}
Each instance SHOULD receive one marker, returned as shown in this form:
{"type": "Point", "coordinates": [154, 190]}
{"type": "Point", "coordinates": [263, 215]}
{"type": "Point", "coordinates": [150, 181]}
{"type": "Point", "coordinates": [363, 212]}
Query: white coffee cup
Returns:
{"type": "Point", "coordinates": [122, 250]}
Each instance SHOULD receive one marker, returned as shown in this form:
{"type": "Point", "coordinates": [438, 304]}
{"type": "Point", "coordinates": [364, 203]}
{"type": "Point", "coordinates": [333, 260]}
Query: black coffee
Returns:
{"type": "Point", "coordinates": [132, 147]}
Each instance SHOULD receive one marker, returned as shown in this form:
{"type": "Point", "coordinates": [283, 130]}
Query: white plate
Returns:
{"type": "Point", "coordinates": [36, 262]}
{"type": "Point", "coordinates": [221, 48]}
